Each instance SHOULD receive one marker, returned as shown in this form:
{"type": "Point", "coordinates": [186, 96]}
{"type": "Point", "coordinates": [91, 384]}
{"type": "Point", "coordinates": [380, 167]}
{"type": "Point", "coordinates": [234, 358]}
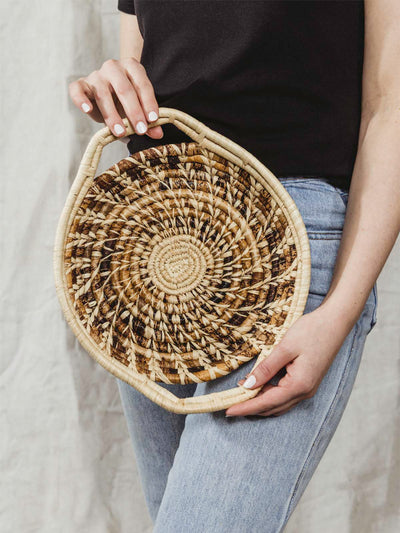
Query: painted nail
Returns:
{"type": "Point", "coordinates": [118, 129]}
{"type": "Point", "coordinates": [249, 382]}
{"type": "Point", "coordinates": [85, 107]}
{"type": "Point", "coordinates": [153, 116]}
{"type": "Point", "coordinates": [141, 127]}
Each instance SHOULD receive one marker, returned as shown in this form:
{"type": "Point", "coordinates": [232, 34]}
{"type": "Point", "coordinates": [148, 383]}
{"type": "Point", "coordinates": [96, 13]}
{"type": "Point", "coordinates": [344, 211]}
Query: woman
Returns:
{"type": "Point", "coordinates": [311, 89]}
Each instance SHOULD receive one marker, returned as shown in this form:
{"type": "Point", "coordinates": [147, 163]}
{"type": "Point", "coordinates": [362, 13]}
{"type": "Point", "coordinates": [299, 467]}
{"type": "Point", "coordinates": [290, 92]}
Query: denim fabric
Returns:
{"type": "Point", "coordinates": [206, 473]}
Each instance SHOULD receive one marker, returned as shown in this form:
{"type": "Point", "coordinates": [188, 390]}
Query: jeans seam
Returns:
{"type": "Point", "coordinates": [343, 195]}
{"type": "Point", "coordinates": [323, 424]}
{"type": "Point", "coordinates": [314, 186]}
{"type": "Point", "coordinates": [319, 235]}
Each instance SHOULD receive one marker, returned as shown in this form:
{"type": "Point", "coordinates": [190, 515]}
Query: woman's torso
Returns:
{"type": "Point", "coordinates": [281, 78]}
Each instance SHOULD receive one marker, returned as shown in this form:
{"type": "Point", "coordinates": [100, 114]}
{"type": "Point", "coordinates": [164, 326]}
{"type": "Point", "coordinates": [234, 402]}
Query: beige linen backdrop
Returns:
{"type": "Point", "coordinates": [67, 464]}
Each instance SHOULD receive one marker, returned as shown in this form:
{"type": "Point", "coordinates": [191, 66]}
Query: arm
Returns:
{"type": "Point", "coordinates": [372, 221]}
{"type": "Point", "coordinates": [131, 45]}
{"type": "Point", "coordinates": [130, 38]}
{"type": "Point", "coordinates": [371, 226]}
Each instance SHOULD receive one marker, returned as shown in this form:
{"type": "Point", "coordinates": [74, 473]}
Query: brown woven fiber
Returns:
{"type": "Point", "coordinates": [180, 262]}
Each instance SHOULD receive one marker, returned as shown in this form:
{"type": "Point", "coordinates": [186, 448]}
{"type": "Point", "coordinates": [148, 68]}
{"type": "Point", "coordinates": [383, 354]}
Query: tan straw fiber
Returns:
{"type": "Point", "coordinates": [180, 262]}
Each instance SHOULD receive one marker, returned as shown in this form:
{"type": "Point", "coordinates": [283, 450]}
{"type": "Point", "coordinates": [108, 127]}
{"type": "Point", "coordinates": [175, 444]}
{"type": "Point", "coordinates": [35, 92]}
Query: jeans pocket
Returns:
{"type": "Point", "coordinates": [323, 253]}
{"type": "Point", "coordinates": [344, 195]}
{"type": "Point", "coordinates": [321, 205]}
{"type": "Point", "coordinates": [316, 184]}
{"type": "Point", "coordinates": [323, 211]}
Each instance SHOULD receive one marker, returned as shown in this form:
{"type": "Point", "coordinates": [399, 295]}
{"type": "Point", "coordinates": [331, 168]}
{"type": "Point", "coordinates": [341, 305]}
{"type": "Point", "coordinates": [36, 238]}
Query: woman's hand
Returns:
{"type": "Point", "coordinates": [120, 88]}
{"type": "Point", "coordinates": [307, 350]}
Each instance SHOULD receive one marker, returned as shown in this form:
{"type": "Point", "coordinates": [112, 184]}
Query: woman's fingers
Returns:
{"type": "Point", "coordinates": [281, 409]}
{"type": "Point", "coordinates": [82, 96]}
{"type": "Point", "coordinates": [113, 75]}
{"type": "Point", "coordinates": [128, 87]}
{"type": "Point", "coordinates": [144, 89]}
{"type": "Point", "coordinates": [119, 89]}
{"type": "Point", "coordinates": [281, 355]}
{"type": "Point", "coordinates": [153, 132]}
{"type": "Point", "coordinates": [92, 94]}
{"type": "Point", "coordinates": [270, 397]}
{"type": "Point", "coordinates": [284, 408]}
{"type": "Point", "coordinates": [104, 99]}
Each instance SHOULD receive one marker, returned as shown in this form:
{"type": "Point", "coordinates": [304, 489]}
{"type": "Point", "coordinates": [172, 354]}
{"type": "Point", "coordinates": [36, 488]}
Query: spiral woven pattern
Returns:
{"type": "Point", "coordinates": [180, 264]}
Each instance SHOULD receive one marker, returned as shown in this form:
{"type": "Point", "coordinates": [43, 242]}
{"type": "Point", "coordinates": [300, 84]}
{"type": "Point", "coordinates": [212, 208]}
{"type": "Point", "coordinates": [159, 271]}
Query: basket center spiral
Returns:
{"type": "Point", "coordinates": [177, 265]}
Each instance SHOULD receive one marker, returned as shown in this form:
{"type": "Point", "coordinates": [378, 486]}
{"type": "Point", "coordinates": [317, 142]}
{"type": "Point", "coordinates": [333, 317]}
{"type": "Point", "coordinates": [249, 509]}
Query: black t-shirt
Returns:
{"type": "Point", "coordinates": [281, 78]}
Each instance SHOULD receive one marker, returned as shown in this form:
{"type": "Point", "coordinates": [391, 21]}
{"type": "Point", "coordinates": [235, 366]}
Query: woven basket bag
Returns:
{"type": "Point", "coordinates": [180, 263]}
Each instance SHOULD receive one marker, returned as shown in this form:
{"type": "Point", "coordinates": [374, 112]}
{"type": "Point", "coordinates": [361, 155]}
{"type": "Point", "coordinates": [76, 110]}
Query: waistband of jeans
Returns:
{"type": "Point", "coordinates": [314, 178]}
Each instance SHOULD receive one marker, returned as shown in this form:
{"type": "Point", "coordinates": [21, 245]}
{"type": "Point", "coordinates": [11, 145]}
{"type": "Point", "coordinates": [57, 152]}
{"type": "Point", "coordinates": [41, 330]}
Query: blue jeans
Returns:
{"type": "Point", "coordinates": [206, 473]}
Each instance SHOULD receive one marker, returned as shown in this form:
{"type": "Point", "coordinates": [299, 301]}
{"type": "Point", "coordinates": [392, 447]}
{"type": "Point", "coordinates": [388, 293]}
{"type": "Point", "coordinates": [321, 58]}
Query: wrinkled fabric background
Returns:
{"type": "Point", "coordinates": [67, 464]}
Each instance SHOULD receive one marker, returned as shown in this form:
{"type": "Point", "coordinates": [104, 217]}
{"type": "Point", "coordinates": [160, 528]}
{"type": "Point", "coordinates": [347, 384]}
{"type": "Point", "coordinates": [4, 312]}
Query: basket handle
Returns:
{"type": "Point", "coordinates": [211, 139]}
{"type": "Point", "coordinates": [192, 127]}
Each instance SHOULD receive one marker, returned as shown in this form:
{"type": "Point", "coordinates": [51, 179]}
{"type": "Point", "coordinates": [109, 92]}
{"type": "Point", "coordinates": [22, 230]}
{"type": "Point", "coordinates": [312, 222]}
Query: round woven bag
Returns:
{"type": "Point", "coordinates": [180, 263]}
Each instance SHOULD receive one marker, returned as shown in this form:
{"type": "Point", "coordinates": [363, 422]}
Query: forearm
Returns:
{"type": "Point", "coordinates": [130, 38]}
{"type": "Point", "coordinates": [372, 221]}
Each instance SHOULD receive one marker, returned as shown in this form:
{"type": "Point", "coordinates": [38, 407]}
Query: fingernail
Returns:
{"type": "Point", "coordinates": [141, 127]}
{"type": "Point", "coordinates": [229, 415]}
{"type": "Point", "coordinates": [118, 129]}
{"type": "Point", "coordinates": [249, 382]}
{"type": "Point", "coordinates": [85, 107]}
{"type": "Point", "coordinates": [153, 116]}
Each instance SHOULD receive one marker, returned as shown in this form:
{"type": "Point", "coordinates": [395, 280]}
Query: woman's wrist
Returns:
{"type": "Point", "coordinates": [336, 311]}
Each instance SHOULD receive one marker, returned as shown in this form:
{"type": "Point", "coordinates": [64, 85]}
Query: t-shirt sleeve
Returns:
{"type": "Point", "coordinates": [126, 6]}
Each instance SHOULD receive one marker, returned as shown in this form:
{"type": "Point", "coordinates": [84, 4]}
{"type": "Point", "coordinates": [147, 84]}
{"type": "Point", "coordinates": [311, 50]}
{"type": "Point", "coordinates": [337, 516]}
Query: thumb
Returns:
{"type": "Point", "coordinates": [268, 367]}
